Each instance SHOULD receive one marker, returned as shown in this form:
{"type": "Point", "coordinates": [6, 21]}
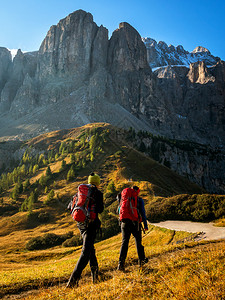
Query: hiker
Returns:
{"type": "Point", "coordinates": [132, 213]}
{"type": "Point", "coordinates": [88, 229]}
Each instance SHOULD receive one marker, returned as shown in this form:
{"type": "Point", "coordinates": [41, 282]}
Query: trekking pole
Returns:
{"type": "Point", "coordinates": [142, 228]}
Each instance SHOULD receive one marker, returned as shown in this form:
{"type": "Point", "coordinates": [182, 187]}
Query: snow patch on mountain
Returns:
{"type": "Point", "coordinates": [13, 52]}
{"type": "Point", "coordinates": [160, 54]}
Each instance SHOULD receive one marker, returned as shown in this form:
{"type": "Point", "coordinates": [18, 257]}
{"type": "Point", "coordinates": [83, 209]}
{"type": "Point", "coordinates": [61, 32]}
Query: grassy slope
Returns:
{"type": "Point", "coordinates": [124, 166]}
{"type": "Point", "coordinates": [174, 271]}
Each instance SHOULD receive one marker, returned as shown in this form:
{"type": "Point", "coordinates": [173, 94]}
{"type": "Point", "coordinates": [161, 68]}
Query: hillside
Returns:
{"type": "Point", "coordinates": [54, 164]}
{"type": "Point", "coordinates": [35, 223]}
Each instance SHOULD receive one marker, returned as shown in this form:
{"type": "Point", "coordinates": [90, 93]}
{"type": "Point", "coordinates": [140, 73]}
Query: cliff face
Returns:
{"type": "Point", "coordinates": [5, 66]}
{"type": "Point", "coordinates": [22, 67]}
{"type": "Point", "coordinates": [128, 67]}
{"type": "Point", "coordinates": [198, 101]}
{"type": "Point", "coordinates": [69, 55]}
{"type": "Point", "coordinates": [74, 47]}
{"type": "Point", "coordinates": [199, 163]}
{"type": "Point", "coordinates": [78, 71]}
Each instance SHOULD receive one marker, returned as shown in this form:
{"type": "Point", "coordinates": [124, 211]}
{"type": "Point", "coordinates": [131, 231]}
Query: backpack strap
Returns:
{"type": "Point", "coordinates": [131, 206]}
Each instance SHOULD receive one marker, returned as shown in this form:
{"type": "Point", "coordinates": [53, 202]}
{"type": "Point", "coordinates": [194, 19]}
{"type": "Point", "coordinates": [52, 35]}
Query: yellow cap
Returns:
{"type": "Point", "coordinates": [94, 179]}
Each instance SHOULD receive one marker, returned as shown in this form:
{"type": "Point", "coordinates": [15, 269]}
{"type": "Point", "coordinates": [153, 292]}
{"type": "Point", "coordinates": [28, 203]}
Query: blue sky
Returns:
{"type": "Point", "coordinates": [192, 23]}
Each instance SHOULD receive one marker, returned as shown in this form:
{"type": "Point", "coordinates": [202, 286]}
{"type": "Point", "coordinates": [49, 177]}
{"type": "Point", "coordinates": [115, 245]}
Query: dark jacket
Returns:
{"type": "Point", "coordinates": [98, 197]}
{"type": "Point", "coordinates": [141, 208]}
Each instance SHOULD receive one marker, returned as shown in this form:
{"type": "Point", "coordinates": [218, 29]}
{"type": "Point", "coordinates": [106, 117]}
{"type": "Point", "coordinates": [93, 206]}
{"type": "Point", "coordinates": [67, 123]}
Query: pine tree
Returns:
{"type": "Point", "coordinates": [31, 201]}
{"type": "Point", "coordinates": [71, 174]}
{"type": "Point", "coordinates": [35, 195]}
{"type": "Point", "coordinates": [93, 142]}
{"type": "Point", "coordinates": [26, 184]}
{"type": "Point", "coordinates": [48, 173]}
{"type": "Point", "coordinates": [35, 168]}
{"type": "Point", "coordinates": [142, 147]}
{"type": "Point", "coordinates": [24, 205]}
{"type": "Point", "coordinates": [72, 158]}
{"type": "Point", "coordinates": [63, 166]}
{"type": "Point", "coordinates": [62, 147]}
{"type": "Point", "coordinates": [50, 196]}
{"type": "Point", "coordinates": [15, 192]}
{"type": "Point", "coordinates": [43, 181]}
{"type": "Point", "coordinates": [31, 169]}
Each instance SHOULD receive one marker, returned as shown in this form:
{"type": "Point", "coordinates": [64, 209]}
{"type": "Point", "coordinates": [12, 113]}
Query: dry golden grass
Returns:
{"type": "Point", "coordinates": [220, 223]}
{"type": "Point", "coordinates": [191, 272]}
{"type": "Point", "coordinates": [173, 270]}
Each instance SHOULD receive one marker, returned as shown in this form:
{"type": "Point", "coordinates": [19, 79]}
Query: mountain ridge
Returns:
{"type": "Point", "coordinates": [113, 74]}
{"type": "Point", "coordinates": [160, 54]}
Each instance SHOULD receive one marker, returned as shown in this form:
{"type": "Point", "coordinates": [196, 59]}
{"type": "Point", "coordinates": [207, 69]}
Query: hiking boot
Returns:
{"type": "Point", "coordinates": [143, 261]}
{"type": "Point", "coordinates": [121, 267]}
{"type": "Point", "coordinates": [94, 275]}
{"type": "Point", "coordinates": [72, 283]}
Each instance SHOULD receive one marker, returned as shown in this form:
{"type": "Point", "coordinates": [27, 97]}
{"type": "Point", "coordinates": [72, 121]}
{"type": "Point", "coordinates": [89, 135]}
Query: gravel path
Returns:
{"type": "Point", "coordinates": [209, 231]}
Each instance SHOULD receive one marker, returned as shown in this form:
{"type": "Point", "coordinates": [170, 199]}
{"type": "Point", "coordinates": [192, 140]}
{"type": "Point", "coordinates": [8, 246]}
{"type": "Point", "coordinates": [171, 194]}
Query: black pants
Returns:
{"type": "Point", "coordinates": [128, 227]}
{"type": "Point", "coordinates": [88, 232]}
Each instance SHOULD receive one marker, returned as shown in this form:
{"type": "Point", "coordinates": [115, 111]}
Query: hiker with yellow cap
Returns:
{"type": "Point", "coordinates": [85, 207]}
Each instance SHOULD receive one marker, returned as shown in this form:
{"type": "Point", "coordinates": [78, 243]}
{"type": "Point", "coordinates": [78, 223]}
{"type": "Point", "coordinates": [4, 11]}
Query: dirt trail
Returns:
{"type": "Point", "coordinates": [209, 232]}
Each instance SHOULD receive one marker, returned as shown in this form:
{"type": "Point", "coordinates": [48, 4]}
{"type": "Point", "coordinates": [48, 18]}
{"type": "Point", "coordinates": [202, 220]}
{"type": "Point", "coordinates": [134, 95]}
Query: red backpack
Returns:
{"type": "Point", "coordinates": [82, 206]}
{"type": "Point", "coordinates": [128, 204]}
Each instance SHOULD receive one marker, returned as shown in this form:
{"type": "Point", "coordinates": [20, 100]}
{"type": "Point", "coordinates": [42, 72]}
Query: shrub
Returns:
{"type": "Point", "coordinates": [47, 241]}
{"type": "Point", "coordinates": [34, 243]}
{"type": "Point", "coordinates": [111, 188]}
{"type": "Point", "coordinates": [43, 217]}
{"type": "Point", "coordinates": [187, 207]}
{"type": "Point", "coordinates": [72, 242]}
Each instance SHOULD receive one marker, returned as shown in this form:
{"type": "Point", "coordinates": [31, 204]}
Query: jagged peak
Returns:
{"type": "Point", "coordinates": [149, 41]}
{"type": "Point", "coordinates": [200, 49]}
{"type": "Point", "coordinates": [163, 45]}
{"type": "Point", "coordinates": [127, 27]}
{"type": "Point", "coordinates": [19, 54]}
{"type": "Point", "coordinates": [78, 14]}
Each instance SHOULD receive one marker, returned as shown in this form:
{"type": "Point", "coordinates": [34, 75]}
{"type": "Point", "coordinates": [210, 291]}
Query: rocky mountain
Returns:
{"type": "Point", "coordinates": [160, 54]}
{"type": "Point", "coordinates": [86, 76]}
{"type": "Point", "coordinates": [80, 76]}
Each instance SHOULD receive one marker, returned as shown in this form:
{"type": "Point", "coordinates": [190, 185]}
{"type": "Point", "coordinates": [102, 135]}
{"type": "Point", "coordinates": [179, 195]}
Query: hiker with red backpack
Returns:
{"type": "Point", "coordinates": [85, 207]}
{"type": "Point", "coordinates": [132, 213]}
